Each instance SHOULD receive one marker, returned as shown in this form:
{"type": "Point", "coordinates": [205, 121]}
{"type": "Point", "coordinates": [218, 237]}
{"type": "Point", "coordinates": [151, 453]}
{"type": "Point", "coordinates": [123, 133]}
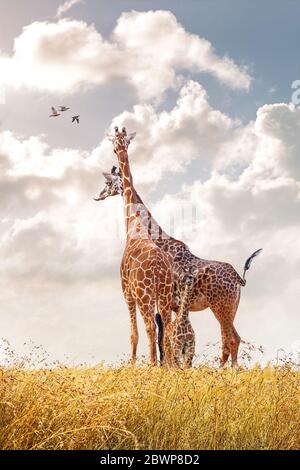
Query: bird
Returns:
{"type": "Point", "coordinates": [55, 113]}
{"type": "Point", "coordinates": [75, 118]}
{"type": "Point", "coordinates": [63, 108]}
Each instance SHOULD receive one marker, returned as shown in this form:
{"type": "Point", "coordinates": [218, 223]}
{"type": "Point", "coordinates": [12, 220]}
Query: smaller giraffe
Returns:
{"type": "Point", "coordinates": [179, 341]}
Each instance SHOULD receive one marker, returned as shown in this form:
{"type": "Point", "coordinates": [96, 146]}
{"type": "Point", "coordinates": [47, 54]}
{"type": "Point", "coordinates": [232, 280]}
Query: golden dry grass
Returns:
{"type": "Point", "coordinates": [149, 408]}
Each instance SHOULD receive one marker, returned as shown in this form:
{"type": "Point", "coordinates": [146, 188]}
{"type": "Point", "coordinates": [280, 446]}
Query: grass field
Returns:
{"type": "Point", "coordinates": [149, 408]}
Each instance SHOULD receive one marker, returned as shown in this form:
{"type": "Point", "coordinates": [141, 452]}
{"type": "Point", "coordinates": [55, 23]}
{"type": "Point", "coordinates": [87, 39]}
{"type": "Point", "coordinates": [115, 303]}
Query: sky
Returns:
{"type": "Point", "coordinates": [207, 86]}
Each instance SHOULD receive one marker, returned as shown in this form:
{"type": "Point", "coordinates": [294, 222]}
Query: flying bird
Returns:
{"type": "Point", "coordinates": [63, 108]}
{"type": "Point", "coordinates": [75, 118]}
{"type": "Point", "coordinates": [55, 113]}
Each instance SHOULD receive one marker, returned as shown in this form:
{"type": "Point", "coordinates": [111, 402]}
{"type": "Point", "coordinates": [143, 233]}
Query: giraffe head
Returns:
{"type": "Point", "coordinates": [121, 140]}
{"type": "Point", "coordinates": [113, 184]}
{"type": "Point", "coordinates": [187, 279]}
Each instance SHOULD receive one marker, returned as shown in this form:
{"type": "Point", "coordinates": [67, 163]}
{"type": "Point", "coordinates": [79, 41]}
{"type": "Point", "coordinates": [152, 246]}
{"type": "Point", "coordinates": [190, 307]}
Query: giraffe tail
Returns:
{"type": "Point", "coordinates": [160, 335]}
{"type": "Point", "coordinates": [248, 264]}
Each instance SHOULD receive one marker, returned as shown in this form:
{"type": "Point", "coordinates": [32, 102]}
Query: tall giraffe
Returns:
{"type": "Point", "coordinates": [146, 270]}
{"type": "Point", "coordinates": [217, 285]}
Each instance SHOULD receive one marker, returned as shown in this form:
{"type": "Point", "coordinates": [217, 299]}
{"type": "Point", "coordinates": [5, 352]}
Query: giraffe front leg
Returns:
{"type": "Point", "coordinates": [134, 334]}
{"type": "Point", "coordinates": [167, 350]}
{"type": "Point", "coordinates": [176, 354]}
{"type": "Point", "coordinates": [189, 355]}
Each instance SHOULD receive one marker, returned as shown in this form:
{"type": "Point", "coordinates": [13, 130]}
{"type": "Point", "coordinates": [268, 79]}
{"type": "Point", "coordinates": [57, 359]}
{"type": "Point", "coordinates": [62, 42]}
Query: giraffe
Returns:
{"type": "Point", "coordinates": [179, 341]}
{"type": "Point", "coordinates": [146, 270]}
{"type": "Point", "coordinates": [217, 284]}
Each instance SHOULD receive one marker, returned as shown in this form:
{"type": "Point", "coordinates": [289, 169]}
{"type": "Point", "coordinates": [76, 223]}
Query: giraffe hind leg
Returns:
{"type": "Point", "coordinates": [225, 315]}
{"type": "Point", "coordinates": [147, 311]}
{"type": "Point", "coordinates": [235, 343]}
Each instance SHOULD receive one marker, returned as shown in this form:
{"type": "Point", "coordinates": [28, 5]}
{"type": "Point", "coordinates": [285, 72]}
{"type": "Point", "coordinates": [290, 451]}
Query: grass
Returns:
{"type": "Point", "coordinates": [149, 408]}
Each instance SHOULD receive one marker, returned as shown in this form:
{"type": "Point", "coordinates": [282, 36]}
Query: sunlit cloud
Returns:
{"type": "Point", "coordinates": [149, 51]}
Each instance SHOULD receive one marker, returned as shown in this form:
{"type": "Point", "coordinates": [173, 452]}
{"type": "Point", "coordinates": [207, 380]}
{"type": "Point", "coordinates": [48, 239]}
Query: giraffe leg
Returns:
{"type": "Point", "coordinates": [224, 316]}
{"type": "Point", "coordinates": [175, 361]}
{"type": "Point", "coordinates": [235, 340]}
{"type": "Point", "coordinates": [235, 343]}
{"type": "Point", "coordinates": [167, 350]}
{"type": "Point", "coordinates": [151, 332]}
{"type": "Point", "coordinates": [226, 343]}
{"type": "Point", "coordinates": [164, 303]}
{"type": "Point", "coordinates": [165, 312]}
{"type": "Point", "coordinates": [134, 335]}
{"type": "Point", "coordinates": [189, 355]}
{"type": "Point", "coordinates": [176, 353]}
{"type": "Point", "coordinates": [147, 312]}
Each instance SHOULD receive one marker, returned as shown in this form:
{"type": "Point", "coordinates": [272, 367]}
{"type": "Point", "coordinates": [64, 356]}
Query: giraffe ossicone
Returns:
{"type": "Point", "coordinates": [121, 138]}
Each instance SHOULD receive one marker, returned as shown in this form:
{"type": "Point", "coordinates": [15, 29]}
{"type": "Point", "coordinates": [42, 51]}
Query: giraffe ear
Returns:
{"type": "Point", "coordinates": [131, 136]}
{"type": "Point", "coordinates": [110, 137]}
{"type": "Point", "coordinates": [107, 176]}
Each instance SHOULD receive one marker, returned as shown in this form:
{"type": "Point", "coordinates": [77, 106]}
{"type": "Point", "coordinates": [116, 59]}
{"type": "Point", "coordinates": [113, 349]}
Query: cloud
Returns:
{"type": "Point", "coordinates": [65, 7]}
{"type": "Point", "coordinates": [167, 142]}
{"type": "Point", "coordinates": [150, 51]}
{"type": "Point", "coordinates": [162, 47]}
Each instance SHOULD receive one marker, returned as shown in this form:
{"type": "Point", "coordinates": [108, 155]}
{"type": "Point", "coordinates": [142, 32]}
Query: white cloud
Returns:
{"type": "Point", "coordinates": [167, 142]}
{"type": "Point", "coordinates": [65, 7]}
{"type": "Point", "coordinates": [150, 51]}
{"type": "Point", "coordinates": [164, 47]}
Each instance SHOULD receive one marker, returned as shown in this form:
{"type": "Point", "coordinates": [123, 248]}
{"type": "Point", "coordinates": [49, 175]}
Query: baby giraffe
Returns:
{"type": "Point", "coordinates": [179, 334]}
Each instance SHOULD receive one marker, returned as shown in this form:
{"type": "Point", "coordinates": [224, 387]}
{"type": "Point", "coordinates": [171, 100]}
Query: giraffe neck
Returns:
{"type": "Point", "coordinates": [183, 314]}
{"type": "Point", "coordinates": [155, 231]}
{"type": "Point", "coordinates": [132, 207]}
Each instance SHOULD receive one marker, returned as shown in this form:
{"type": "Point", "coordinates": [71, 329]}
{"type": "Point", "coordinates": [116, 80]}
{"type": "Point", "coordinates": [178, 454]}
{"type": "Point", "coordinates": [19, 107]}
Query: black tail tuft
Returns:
{"type": "Point", "coordinates": [249, 261]}
{"type": "Point", "coordinates": [160, 336]}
